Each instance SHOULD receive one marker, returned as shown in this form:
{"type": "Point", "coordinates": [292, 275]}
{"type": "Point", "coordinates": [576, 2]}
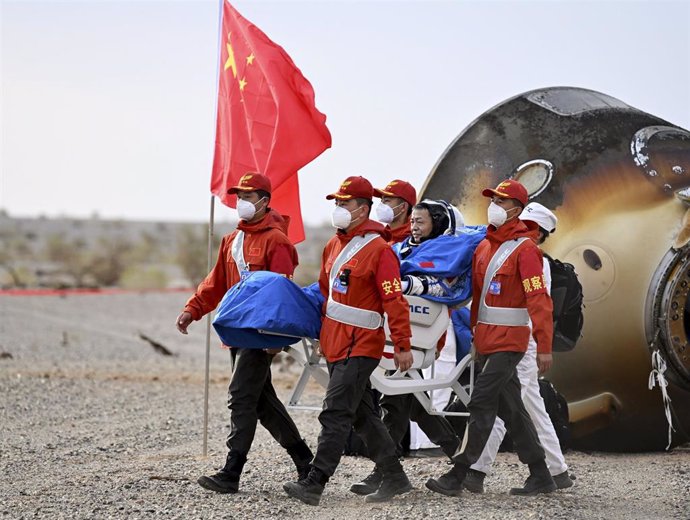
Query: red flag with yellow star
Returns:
{"type": "Point", "coordinates": [267, 121]}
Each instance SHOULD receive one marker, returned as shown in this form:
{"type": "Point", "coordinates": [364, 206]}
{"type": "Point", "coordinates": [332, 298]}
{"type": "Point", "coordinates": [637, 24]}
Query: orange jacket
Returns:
{"type": "Point", "coordinates": [374, 284]}
{"type": "Point", "coordinates": [400, 233]}
{"type": "Point", "coordinates": [520, 284]}
{"type": "Point", "coordinates": [266, 248]}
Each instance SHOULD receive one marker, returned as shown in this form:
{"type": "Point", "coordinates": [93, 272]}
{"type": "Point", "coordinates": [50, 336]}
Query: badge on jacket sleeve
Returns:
{"type": "Point", "coordinates": [495, 287]}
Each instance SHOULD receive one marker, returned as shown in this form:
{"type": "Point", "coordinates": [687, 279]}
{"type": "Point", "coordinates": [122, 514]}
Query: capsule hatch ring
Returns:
{"type": "Point", "coordinates": [667, 313]}
{"type": "Point", "coordinates": [534, 175]}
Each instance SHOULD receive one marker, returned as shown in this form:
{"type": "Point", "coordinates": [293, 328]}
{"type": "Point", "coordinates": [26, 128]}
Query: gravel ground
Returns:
{"type": "Point", "coordinates": [97, 424]}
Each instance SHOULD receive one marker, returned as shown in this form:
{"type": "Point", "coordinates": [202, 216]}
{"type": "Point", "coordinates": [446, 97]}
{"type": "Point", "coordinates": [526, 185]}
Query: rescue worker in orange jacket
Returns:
{"type": "Point", "coordinates": [508, 291]}
{"type": "Point", "coordinates": [398, 410]}
{"type": "Point", "coordinates": [259, 243]}
{"type": "Point", "coordinates": [360, 278]}
{"type": "Point", "coordinates": [397, 199]}
{"type": "Point", "coordinates": [528, 375]}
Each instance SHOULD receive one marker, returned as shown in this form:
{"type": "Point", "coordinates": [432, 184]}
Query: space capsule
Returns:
{"type": "Point", "coordinates": [619, 181]}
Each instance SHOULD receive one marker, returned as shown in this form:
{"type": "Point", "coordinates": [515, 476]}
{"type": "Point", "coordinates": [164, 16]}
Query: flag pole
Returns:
{"type": "Point", "coordinates": [204, 449]}
{"type": "Point", "coordinates": [208, 332]}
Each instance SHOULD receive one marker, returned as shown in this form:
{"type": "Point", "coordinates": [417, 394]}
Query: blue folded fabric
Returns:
{"type": "Point", "coordinates": [271, 303]}
{"type": "Point", "coordinates": [313, 292]}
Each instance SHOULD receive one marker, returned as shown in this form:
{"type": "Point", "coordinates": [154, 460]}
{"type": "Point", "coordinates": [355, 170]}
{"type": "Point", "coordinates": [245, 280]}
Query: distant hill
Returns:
{"type": "Point", "coordinates": [54, 252]}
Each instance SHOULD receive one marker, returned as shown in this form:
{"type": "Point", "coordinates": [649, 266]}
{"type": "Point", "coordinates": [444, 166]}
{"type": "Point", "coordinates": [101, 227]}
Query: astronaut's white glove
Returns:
{"type": "Point", "coordinates": [434, 286]}
{"type": "Point", "coordinates": [412, 285]}
{"type": "Point", "coordinates": [422, 284]}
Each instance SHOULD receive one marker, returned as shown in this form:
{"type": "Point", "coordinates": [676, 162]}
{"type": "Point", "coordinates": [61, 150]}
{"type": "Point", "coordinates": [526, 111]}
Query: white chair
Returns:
{"type": "Point", "coordinates": [306, 353]}
{"type": "Point", "coordinates": [428, 321]}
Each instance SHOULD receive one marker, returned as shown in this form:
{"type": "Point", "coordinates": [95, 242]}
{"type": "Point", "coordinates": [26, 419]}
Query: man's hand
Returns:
{"type": "Point", "coordinates": [183, 321]}
{"type": "Point", "coordinates": [403, 360]}
{"type": "Point", "coordinates": [544, 362]}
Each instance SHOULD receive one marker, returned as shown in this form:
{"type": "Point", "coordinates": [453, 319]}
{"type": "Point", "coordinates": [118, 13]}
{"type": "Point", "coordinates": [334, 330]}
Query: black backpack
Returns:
{"type": "Point", "coordinates": [566, 293]}
{"type": "Point", "coordinates": [557, 408]}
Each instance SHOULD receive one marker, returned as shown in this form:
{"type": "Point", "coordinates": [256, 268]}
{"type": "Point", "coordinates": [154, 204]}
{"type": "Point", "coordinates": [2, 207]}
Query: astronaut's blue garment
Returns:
{"type": "Point", "coordinates": [446, 256]}
{"type": "Point", "coordinates": [269, 302]}
{"type": "Point", "coordinates": [463, 335]}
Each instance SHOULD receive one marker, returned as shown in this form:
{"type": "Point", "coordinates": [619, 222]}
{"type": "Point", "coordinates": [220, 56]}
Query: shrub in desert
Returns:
{"type": "Point", "coordinates": [192, 251]}
{"type": "Point", "coordinates": [14, 250]}
{"type": "Point", "coordinates": [109, 260]}
{"type": "Point", "coordinates": [71, 257]}
{"type": "Point", "coordinates": [144, 277]}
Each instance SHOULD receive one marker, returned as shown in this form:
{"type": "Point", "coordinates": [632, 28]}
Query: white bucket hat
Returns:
{"type": "Point", "coordinates": [542, 215]}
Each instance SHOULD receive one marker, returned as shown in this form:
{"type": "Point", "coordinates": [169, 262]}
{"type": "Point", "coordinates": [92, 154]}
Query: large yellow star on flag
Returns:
{"type": "Point", "coordinates": [230, 62]}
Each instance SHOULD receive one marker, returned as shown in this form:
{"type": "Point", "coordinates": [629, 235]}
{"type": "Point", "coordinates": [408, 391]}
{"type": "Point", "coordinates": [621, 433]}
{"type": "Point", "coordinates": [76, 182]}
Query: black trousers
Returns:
{"type": "Point", "coordinates": [349, 402]}
{"type": "Point", "coordinates": [252, 398]}
{"type": "Point", "coordinates": [497, 392]}
{"type": "Point", "coordinates": [399, 409]}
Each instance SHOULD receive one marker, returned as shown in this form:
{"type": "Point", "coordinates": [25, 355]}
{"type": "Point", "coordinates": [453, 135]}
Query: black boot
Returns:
{"type": "Point", "coordinates": [563, 480]}
{"type": "Point", "coordinates": [302, 457]}
{"type": "Point", "coordinates": [394, 482]}
{"type": "Point", "coordinates": [539, 481]}
{"type": "Point", "coordinates": [450, 483]}
{"type": "Point", "coordinates": [227, 480]}
{"type": "Point", "coordinates": [370, 483]}
{"type": "Point", "coordinates": [474, 481]}
{"type": "Point", "coordinates": [308, 490]}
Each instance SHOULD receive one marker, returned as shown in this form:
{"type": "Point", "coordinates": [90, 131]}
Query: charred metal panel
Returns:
{"type": "Point", "coordinates": [619, 181]}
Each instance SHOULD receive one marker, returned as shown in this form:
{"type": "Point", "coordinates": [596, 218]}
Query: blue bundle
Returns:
{"type": "Point", "coordinates": [267, 310]}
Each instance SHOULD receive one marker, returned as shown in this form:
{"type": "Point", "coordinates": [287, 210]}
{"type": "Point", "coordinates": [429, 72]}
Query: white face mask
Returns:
{"type": "Point", "coordinates": [341, 218]}
{"type": "Point", "coordinates": [496, 214]}
{"type": "Point", "coordinates": [385, 214]}
{"type": "Point", "coordinates": [246, 210]}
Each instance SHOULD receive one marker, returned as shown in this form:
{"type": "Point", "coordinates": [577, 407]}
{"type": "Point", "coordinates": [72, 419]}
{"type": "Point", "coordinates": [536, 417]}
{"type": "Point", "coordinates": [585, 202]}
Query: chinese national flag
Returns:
{"type": "Point", "coordinates": [267, 121]}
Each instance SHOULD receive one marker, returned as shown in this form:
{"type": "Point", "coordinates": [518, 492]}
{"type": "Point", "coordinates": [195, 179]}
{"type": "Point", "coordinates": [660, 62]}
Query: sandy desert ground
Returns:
{"type": "Point", "coordinates": [97, 424]}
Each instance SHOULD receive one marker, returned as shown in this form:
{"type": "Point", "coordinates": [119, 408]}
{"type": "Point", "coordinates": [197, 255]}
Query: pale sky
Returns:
{"type": "Point", "coordinates": [109, 106]}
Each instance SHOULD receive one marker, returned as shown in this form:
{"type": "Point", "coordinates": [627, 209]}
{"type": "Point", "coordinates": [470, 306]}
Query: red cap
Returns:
{"type": "Point", "coordinates": [252, 181]}
{"type": "Point", "coordinates": [508, 189]}
{"type": "Point", "coordinates": [401, 189]}
{"type": "Point", "coordinates": [353, 188]}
